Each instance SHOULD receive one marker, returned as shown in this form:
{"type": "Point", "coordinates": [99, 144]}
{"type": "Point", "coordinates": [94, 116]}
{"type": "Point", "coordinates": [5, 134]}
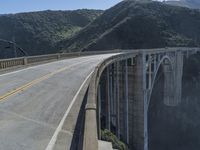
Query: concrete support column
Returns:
{"type": "Point", "coordinates": [168, 84]}
{"type": "Point", "coordinates": [138, 121]}
{"type": "Point", "coordinates": [178, 77]}
{"type": "Point", "coordinates": [111, 97]}
{"type": "Point", "coordinates": [187, 55]}
{"type": "Point", "coordinates": [111, 74]}
{"type": "Point", "coordinates": [126, 115]}
{"type": "Point", "coordinates": [108, 98]}
{"type": "Point", "coordinates": [149, 73]}
{"type": "Point", "coordinates": [99, 110]}
{"type": "Point", "coordinates": [154, 63]}
{"type": "Point", "coordinates": [159, 58]}
{"type": "Point", "coordinates": [121, 101]}
{"type": "Point", "coordinates": [117, 99]}
{"type": "Point", "coordinates": [131, 114]}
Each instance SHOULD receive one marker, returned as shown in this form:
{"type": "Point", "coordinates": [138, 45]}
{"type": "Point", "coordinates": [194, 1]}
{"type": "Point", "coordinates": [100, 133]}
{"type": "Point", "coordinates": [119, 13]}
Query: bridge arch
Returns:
{"type": "Point", "coordinates": [168, 68]}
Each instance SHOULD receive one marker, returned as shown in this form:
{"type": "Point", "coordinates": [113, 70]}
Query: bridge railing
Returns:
{"type": "Point", "coordinates": [6, 63]}
{"type": "Point", "coordinates": [16, 62]}
{"type": "Point", "coordinates": [41, 58]}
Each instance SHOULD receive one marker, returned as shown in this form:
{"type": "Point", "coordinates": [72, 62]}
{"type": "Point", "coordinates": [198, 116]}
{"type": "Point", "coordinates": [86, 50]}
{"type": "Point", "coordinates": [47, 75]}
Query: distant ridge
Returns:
{"type": "Point", "coordinates": [38, 32]}
{"type": "Point", "coordinates": [135, 24]}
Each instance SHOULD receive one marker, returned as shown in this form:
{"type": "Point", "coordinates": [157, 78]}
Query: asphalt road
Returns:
{"type": "Point", "coordinates": [34, 101]}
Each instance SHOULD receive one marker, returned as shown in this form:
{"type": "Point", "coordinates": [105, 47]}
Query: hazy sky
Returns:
{"type": "Point", "coordinates": [14, 6]}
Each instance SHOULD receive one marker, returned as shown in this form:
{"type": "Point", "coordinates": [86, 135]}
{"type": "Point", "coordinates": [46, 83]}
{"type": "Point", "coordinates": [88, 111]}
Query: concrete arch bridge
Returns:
{"type": "Point", "coordinates": [120, 92]}
{"type": "Point", "coordinates": [62, 101]}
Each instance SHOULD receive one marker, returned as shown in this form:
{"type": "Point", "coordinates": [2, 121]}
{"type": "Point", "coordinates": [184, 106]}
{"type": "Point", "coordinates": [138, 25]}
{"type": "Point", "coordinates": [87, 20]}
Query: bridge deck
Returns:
{"type": "Point", "coordinates": [34, 100]}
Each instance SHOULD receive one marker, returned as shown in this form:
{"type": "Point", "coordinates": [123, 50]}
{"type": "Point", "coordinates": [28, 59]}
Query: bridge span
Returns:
{"type": "Point", "coordinates": [35, 100]}
{"type": "Point", "coordinates": [64, 104]}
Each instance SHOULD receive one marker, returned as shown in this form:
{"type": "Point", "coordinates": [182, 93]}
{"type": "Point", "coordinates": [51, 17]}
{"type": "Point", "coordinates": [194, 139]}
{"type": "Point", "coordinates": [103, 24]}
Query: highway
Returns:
{"type": "Point", "coordinates": [35, 101]}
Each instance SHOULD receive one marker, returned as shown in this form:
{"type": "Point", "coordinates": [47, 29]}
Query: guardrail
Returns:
{"type": "Point", "coordinates": [6, 63]}
{"type": "Point", "coordinates": [16, 62]}
{"type": "Point", "coordinates": [91, 131]}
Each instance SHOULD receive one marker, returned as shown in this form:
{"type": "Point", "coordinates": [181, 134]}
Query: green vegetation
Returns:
{"type": "Point", "coordinates": [139, 24]}
{"type": "Point", "coordinates": [38, 32]}
{"type": "Point", "coordinates": [69, 32]}
{"type": "Point", "coordinates": [128, 25]}
{"type": "Point", "coordinates": [106, 135]}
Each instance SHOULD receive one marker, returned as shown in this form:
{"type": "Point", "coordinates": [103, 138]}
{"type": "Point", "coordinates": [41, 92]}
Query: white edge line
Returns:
{"type": "Point", "coordinates": [52, 142]}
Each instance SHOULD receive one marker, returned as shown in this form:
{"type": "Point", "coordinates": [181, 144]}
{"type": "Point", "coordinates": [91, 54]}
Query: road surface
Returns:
{"type": "Point", "coordinates": [35, 101]}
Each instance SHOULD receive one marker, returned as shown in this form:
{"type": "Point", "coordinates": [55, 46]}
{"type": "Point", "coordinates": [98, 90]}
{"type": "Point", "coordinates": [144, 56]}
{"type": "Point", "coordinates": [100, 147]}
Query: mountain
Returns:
{"type": "Point", "coordinates": [185, 3]}
{"type": "Point", "coordinates": [138, 24]}
{"type": "Point", "coordinates": [37, 32]}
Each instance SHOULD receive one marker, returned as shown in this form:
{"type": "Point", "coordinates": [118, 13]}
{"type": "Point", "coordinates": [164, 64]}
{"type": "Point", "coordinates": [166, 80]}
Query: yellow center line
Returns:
{"type": "Point", "coordinates": [34, 82]}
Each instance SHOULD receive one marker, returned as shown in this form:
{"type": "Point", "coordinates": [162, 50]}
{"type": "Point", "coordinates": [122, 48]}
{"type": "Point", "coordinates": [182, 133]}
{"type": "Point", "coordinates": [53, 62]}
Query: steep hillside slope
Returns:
{"type": "Point", "coordinates": [185, 3]}
{"type": "Point", "coordinates": [37, 32]}
{"type": "Point", "coordinates": [134, 24]}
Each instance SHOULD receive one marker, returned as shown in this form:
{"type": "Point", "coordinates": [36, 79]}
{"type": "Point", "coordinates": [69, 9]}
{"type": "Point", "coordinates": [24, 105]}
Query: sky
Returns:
{"type": "Point", "coordinates": [15, 6]}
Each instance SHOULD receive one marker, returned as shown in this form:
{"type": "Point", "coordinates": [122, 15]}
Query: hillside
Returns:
{"type": "Point", "coordinates": [185, 3]}
{"type": "Point", "coordinates": [37, 32]}
{"type": "Point", "coordinates": [134, 24]}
